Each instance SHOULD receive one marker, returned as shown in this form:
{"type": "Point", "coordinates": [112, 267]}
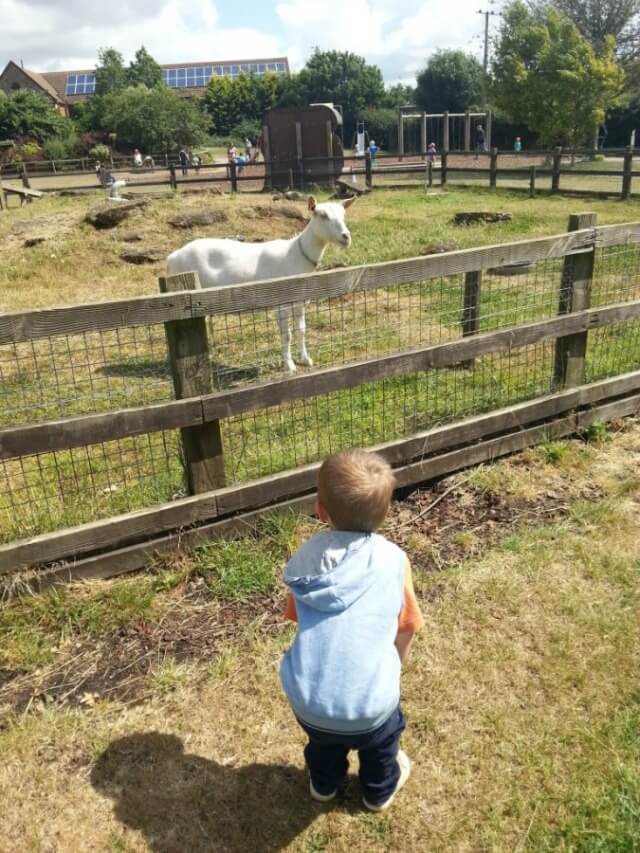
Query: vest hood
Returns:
{"type": "Point", "coordinates": [332, 570]}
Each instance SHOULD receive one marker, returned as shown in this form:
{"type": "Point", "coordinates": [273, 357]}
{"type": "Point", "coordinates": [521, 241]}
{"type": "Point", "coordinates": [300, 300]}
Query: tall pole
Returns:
{"type": "Point", "coordinates": [486, 14]}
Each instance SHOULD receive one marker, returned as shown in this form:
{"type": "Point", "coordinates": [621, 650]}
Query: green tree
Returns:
{"type": "Point", "coordinates": [399, 95]}
{"type": "Point", "coordinates": [144, 70]}
{"type": "Point", "coordinates": [549, 77]}
{"type": "Point", "coordinates": [111, 75]}
{"type": "Point", "coordinates": [29, 115]}
{"type": "Point", "coordinates": [343, 78]}
{"type": "Point", "coordinates": [153, 119]}
{"type": "Point", "coordinates": [233, 101]}
{"type": "Point", "coordinates": [382, 125]}
{"type": "Point", "coordinates": [452, 81]}
{"type": "Point", "coordinates": [598, 19]}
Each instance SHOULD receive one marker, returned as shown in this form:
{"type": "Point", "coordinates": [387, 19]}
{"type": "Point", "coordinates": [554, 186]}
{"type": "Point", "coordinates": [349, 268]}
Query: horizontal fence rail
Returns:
{"type": "Point", "coordinates": [439, 361]}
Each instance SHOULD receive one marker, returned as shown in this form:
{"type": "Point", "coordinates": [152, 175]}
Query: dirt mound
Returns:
{"type": "Point", "coordinates": [198, 218]}
{"type": "Point", "coordinates": [108, 216]}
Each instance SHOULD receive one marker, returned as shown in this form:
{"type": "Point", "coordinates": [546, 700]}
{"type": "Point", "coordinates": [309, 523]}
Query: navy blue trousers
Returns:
{"type": "Point", "coordinates": [326, 757]}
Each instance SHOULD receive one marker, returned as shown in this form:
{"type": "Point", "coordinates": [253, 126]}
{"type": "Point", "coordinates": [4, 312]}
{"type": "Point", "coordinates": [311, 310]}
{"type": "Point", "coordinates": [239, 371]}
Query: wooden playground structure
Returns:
{"type": "Point", "coordinates": [449, 131]}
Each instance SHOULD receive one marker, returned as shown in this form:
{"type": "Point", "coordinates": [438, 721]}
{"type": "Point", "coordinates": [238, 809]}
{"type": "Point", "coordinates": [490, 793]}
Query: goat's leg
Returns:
{"type": "Point", "coordinates": [282, 316]}
{"type": "Point", "coordinates": [301, 329]}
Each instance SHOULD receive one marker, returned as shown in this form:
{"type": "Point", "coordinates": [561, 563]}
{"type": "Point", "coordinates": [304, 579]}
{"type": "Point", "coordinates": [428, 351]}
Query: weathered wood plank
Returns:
{"type": "Point", "coordinates": [79, 431]}
{"type": "Point", "coordinates": [135, 557]}
{"type": "Point", "coordinates": [39, 323]}
{"type": "Point", "coordinates": [188, 346]}
{"type": "Point", "coordinates": [86, 429]}
{"type": "Point", "coordinates": [133, 527]}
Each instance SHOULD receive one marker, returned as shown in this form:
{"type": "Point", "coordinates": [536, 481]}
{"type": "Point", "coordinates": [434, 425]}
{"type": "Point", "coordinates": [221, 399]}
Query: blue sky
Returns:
{"type": "Point", "coordinates": [397, 35]}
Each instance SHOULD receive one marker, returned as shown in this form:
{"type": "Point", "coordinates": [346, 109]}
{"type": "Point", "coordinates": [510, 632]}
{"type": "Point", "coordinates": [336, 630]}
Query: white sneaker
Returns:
{"type": "Point", "coordinates": [321, 798]}
{"type": "Point", "coordinates": [405, 772]}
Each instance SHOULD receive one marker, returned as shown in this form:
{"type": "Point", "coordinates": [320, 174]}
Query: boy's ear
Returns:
{"type": "Point", "coordinates": [322, 514]}
{"type": "Point", "coordinates": [311, 203]}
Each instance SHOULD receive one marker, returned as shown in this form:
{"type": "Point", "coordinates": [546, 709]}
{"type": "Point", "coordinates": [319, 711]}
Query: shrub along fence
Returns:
{"type": "Point", "coordinates": [129, 427]}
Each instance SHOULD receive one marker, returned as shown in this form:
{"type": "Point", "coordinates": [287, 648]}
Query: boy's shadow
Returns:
{"type": "Point", "coordinates": [182, 802]}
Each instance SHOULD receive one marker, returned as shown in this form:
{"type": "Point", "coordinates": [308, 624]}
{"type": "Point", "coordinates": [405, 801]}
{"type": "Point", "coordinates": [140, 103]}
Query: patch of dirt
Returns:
{"type": "Point", "coordinates": [198, 218]}
{"type": "Point", "coordinates": [268, 211]}
{"type": "Point", "coordinates": [32, 232]}
{"type": "Point", "coordinates": [116, 666]}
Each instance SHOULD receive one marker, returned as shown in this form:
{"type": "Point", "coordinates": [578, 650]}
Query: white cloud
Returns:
{"type": "Point", "coordinates": [397, 35]}
{"type": "Point", "coordinates": [49, 35]}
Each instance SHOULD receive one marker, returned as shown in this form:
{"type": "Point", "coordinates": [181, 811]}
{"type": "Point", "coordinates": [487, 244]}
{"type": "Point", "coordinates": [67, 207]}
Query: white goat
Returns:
{"type": "Point", "coordinates": [222, 262]}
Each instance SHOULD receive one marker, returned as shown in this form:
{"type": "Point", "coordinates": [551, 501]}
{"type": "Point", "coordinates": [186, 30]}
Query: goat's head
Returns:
{"type": "Point", "coordinates": [328, 220]}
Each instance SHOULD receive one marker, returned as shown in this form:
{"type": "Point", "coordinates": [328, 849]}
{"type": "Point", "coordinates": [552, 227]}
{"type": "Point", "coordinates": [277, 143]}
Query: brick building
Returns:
{"type": "Point", "coordinates": [66, 88]}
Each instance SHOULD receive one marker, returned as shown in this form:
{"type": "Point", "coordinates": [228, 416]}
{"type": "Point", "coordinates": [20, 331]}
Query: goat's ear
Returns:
{"type": "Point", "coordinates": [348, 201]}
{"type": "Point", "coordinates": [311, 203]}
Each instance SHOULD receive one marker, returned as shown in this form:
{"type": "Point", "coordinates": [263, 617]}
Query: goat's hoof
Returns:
{"type": "Point", "coordinates": [290, 366]}
{"type": "Point", "coordinates": [305, 360]}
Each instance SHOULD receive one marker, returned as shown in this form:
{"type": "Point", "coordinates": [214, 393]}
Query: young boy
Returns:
{"type": "Point", "coordinates": [352, 595]}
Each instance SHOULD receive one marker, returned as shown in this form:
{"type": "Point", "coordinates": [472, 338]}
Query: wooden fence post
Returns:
{"type": "Point", "coordinates": [445, 131]}
{"type": "Point", "coordinates": [429, 173]}
{"type": "Point", "coordinates": [443, 169]}
{"type": "Point", "coordinates": [233, 175]}
{"type": "Point", "coordinates": [575, 295]}
{"type": "Point", "coordinates": [555, 177]}
{"type": "Point", "coordinates": [493, 166]}
{"type": "Point", "coordinates": [368, 169]}
{"type": "Point", "coordinates": [172, 177]}
{"type": "Point", "coordinates": [471, 308]}
{"type": "Point", "coordinates": [626, 174]}
{"type": "Point", "coordinates": [532, 181]}
{"type": "Point", "coordinates": [266, 154]}
{"type": "Point", "coordinates": [467, 131]}
{"type": "Point", "coordinates": [25, 177]}
{"type": "Point", "coordinates": [188, 347]}
{"type": "Point", "coordinates": [3, 198]}
{"type": "Point", "coordinates": [423, 134]}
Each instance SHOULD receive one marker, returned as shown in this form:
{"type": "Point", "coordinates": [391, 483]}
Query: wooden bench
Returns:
{"type": "Point", "coordinates": [24, 194]}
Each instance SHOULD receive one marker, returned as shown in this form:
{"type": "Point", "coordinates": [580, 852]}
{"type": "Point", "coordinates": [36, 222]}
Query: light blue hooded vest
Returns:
{"type": "Point", "coordinates": [342, 673]}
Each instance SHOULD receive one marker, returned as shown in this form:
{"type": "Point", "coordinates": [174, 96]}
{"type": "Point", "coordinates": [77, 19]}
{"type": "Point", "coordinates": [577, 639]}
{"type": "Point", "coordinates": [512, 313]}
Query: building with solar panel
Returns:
{"type": "Point", "coordinates": [66, 88]}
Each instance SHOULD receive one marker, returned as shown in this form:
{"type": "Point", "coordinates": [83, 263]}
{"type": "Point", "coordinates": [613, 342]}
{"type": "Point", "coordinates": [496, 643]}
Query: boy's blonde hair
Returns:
{"type": "Point", "coordinates": [355, 488]}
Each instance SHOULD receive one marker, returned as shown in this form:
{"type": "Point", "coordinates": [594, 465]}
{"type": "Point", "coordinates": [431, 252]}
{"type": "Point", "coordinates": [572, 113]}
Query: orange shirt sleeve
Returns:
{"type": "Point", "coordinates": [290, 611]}
{"type": "Point", "coordinates": [410, 618]}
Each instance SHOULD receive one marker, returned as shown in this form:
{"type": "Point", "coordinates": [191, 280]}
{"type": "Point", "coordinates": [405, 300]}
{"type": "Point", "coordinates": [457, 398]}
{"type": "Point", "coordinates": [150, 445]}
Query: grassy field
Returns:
{"type": "Point", "coordinates": [145, 713]}
{"type": "Point", "coordinates": [100, 371]}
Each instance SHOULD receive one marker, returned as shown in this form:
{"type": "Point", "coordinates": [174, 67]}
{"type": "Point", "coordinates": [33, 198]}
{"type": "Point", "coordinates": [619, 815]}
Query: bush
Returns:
{"type": "Point", "coordinates": [28, 151]}
{"type": "Point", "coordinates": [62, 146]}
{"type": "Point", "coordinates": [100, 152]}
{"type": "Point", "coordinates": [382, 126]}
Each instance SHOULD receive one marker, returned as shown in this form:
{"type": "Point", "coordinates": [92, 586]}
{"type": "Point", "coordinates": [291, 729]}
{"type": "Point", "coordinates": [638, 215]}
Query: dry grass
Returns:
{"type": "Point", "coordinates": [522, 696]}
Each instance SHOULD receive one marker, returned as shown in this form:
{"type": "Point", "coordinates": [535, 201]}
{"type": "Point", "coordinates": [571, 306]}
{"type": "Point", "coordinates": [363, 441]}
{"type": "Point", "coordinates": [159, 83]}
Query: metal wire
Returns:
{"type": "Point", "coordinates": [100, 371]}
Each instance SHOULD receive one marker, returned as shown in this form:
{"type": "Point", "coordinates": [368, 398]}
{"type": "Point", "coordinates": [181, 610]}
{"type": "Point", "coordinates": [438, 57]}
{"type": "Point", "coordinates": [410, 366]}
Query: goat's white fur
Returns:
{"type": "Point", "coordinates": [222, 262]}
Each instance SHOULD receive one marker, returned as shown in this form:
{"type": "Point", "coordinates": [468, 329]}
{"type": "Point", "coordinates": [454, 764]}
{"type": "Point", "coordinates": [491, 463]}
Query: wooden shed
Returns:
{"type": "Point", "coordinates": [301, 145]}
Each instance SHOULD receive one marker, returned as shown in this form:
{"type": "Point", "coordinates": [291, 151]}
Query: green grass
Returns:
{"type": "Point", "coordinates": [102, 371]}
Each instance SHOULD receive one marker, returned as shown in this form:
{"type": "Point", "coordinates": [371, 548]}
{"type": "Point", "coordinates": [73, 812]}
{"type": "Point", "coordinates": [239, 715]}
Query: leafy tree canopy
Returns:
{"type": "Point", "coordinates": [144, 70]}
{"type": "Point", "coordinates": [111, 75]}
{"type": "Point", "coordinates": [153, 119]}
{"type": "Point", "coordinates": [548, 76]}
{"type": "Point", "coordinates": [30, 115]}
{"type": "Point", "coordinates": [452, 81]}
{"type": "Point", "coordinates": [343, 78]}
{"type": "Point", "coordinates": [230, 101]}
{"type": "Point", "coordinates": [598, 19]}
{"type": "Point", "coordinates": [399, 95]}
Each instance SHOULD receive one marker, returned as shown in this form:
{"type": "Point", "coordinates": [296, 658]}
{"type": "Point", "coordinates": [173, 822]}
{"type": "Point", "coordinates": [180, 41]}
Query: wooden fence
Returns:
{"type": "Point", "coordinates": [587, 282]}
{"type": "Point", "coordinates": [545, 171]}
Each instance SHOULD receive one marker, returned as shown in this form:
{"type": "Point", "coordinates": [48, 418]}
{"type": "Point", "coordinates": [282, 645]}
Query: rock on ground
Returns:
{"type": "Point", "coordinates": [108, 216]}
{"type": "Point", "coordinates": [481, 216]}
{"type": "Point", "coordinates": [199, 217]}
{"type": "Point", "coordinates": [143, 256]}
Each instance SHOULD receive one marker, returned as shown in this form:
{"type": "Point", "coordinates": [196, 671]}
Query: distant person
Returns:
{"type": "Point", "coordinates": [431, 152]}
{"type": "Point", "coordinates": [480, 141]}
{"type": "Point", "coordinates": [140, 162]}
{"type": "Point", "coordinates": [373, 150]}
{"type": "Point", "coordinates": [517, 145]}
{"type": "Point", "coordinates": [232, 152]}
{"type": "Point", "coordinates": [248, 145]}
{"type": "Point", "coordinates": [241, 161]}
{"type": "Point", "coordinates": [602, 136]}
{"type": "Point", "coordinates": [183, 157]}
{"type": "Point", "coordinates": [196, 162]}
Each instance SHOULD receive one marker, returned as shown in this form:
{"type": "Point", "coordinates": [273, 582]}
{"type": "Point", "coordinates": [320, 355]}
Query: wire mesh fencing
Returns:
{"type": "Point", "coordinates": [98, 372]}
